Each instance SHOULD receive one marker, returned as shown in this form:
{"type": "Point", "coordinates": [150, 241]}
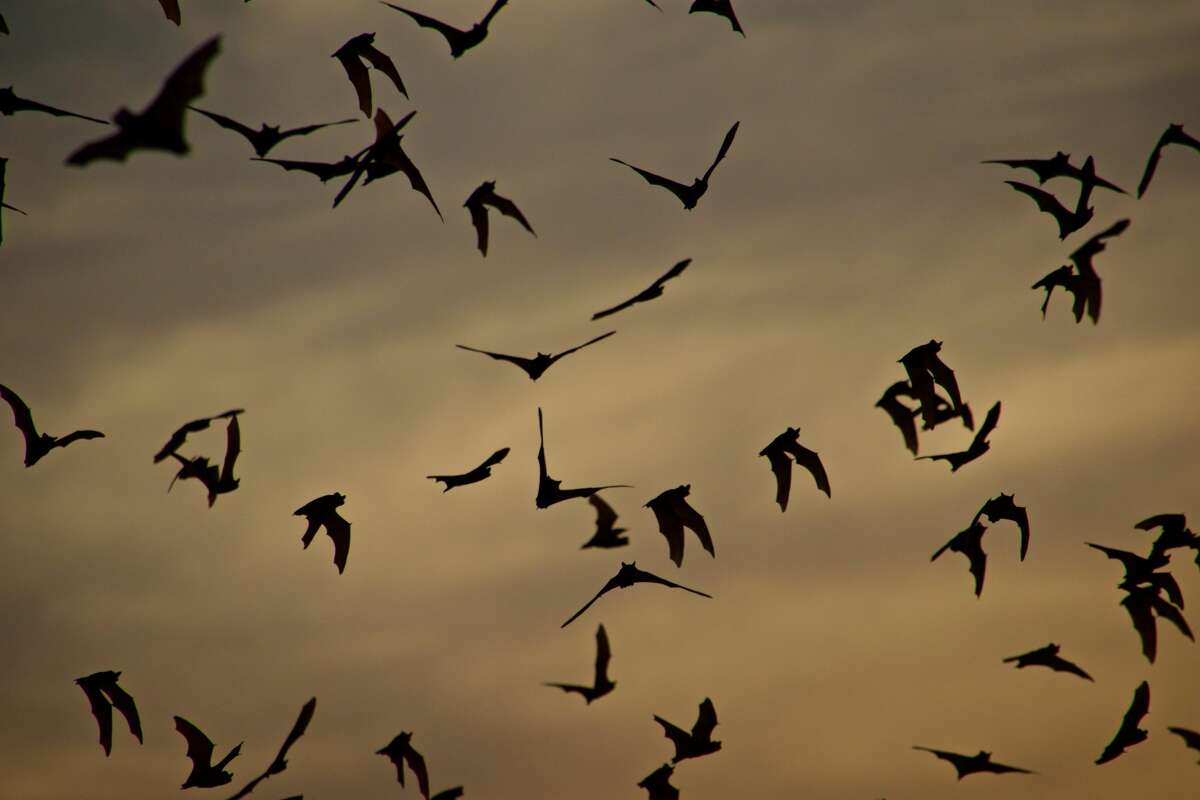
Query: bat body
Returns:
{"type": "Point", "coordinates": [11, 103]}
{"type": "Point", "coordinates": [549, 490]}
{"type": "Point", "coordinates": [658, 784]}
{"type": "Point", "coordinates": [1003, 507]}
{"type": "Point", "coordinates": [401, 752]}
{"type": "Point", "coordinates": [387, 157]}
{"type": "Point", "coordinates": [966, 765]}
{"type": "Point", "coordinates": [460, 41]}
{"type": "Point", "coordinates": [649, 293]}
{"type": "Point", "coordinates": [688, 195]}
{"type": "Point", "coordinates": [979, 445]}
{"type": "Point", "coordinates": [103, 696]}
{"type": "Point", "coordinates": [38, 444]}
{"type": "Point", "coordinates": [601, 685]}
{"type": "Point", "coordinates": [279, 764]}
{"type": "Point", "coordinates": [1129, 733]}
{"type": "Point", "coordinates": [179, 437]}
{"type": "Point", "coordinates": [322, 512]}
{"type": "Point", "coordinates": [535, 367]}
{"type": "Point", "coordinates": [204, 774]}
{"type": "Point", "coordinates": [1174, 134]}
{"type": "Point", "coordinates": [722, 8]}
{"type": "Point", "coordinates": [925, 368]}
{"type": "Point", "coordinates": [1068, 220]}
{"type": "Point", "coordinates": [266, 137]}
{"type": "Point", "coordinates": [697, 742]}
{"type": "Point", "coordinates": [475, 475]}
{"type": "Point", "coordinates": [1047, 657]}
{"type": "Point", "coordinates": [1057, 167]}
{"type": "Point", "coordinates": [627, 576]}
{"type": "Point", "coordinates": [476, 205]}
{"type": "Point", "coordinates": [673, 513]}
{"type": "Point", "coordinates": [780, 452]}
{"type": "Point", "coordinates": [969, 542]}
{"type": "Point", "coordinates": [1065, 278]}
{"type": "Point", "coordinates": [353, 54]}
{"type": "Point", "coordinates": [606, 535]}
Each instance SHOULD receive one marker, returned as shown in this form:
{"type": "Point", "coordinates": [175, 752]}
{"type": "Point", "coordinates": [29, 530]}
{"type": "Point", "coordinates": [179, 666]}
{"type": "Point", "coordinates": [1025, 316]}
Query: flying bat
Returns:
{"type": "Point", "coordinates": [1129, 733]}
{"type": "Point", "coordinates": [11, 103]}
{"type": "Point", "coordinates": [204, 774]}
{"type": "Point", "coordinates": [673, 514]}
{"type": "Point", "coordinates": [1048, 657]}
{"type": "Point", "coordinates": [969, 542]}
{"type": "Point", "coordinates": [1175, 534]}
{"type": "Point", "coordinates": [400, 752]}
{"type": "Point", "coordinates": [160, 125]}
{"type": "Point", "coordinates": [1068, 221]}
{"type": "Point", "coordinates": [483, 196]}
{"type": "Point", "coordinates": [966, 765]}
{"type": "Point", "coordinates": [549, 491]}
{"type": "Point", "coordinates": [266, 137]}
{"type": "Point", "coordinates": [104, 695]}
{"type": "Point", "coordinates": [778, 451]}
{"type": "Point", "coordinates": [322, 512]}
{"type": "Point", "coordinates": [221, 482]}
{"type": "Point", "coordinates": [601, 685]}
{"type": "Point", "coordinates": [1057, 167]}
{"type": "Point", "coordinates": [475, 475]}
{"type": "Point", "coordinates": [280, 763]}
{"type": "Point", "coordinates": [537, 365]}
{"type": "Point", "coordinates": [38, 444]}
{"type": "Point", "coordinates": [658, 784]}
{"type": "Point", "coordinates": [449, 794]}
{"type": "Point", "coordinates": [321, 169]}
{"type": "Point", "coordinates": [3, 172]}
{"type": "Point", "coordinates": [352, 54]}
{"type": "Point", "coordinates": [606, 534]}
{"type": "Point", "coordinates": [627, 576]}
{"type": "Point", "coordinates": [697, 742]}
{"type": "Point", "coordinates": [460, 41]}
{"type": "Point", "coordinates": [383, 157]}
{"type": "Point", "coordinates": [1002, 507]}
{"type": "Point", "coordinates": [654, 290]}
{"type": "Point", "coordinates": [1172, 135]}
{"type": "Point", "coordinates": [979, 445]}
{"type": "Point", "coordinates": [1089, 280]}
{"type": "Point", "coordinates": [1144, 570]}
{"type": "Point", "coordinates": [179, 437]}
{"type": "Point", "coordinates": [688, 195]}
{"type": "Point", "coordinates": [722, 8]}
{"type": "Point", "coordinates": [925, 368]}
{"type": "Point", "coordinates": [171, 11]}
{"type": "Point", "coordinates": [1066, 278]}
{"type": "Point", "coordinates": [1190, 738]}
{"type": "Point", "coordinates": [901, 415]}
{"type": "Point", "coordinates": [1143, 605]}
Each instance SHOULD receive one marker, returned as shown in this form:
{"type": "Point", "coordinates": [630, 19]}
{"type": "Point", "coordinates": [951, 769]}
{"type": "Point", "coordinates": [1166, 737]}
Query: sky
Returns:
{"type": "Point", "coordinates": [851, 221]}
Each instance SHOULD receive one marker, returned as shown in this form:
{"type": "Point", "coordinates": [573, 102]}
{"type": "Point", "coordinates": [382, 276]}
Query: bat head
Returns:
{"type": "Point", "coordinates": [125, 118]}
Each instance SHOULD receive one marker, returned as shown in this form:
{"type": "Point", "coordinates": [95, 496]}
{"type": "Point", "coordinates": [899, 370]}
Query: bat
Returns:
{"type": "Point", "coordinates": [460, 41]}
{"type": "Point", "coordinates": [1068, 221]}
{"type": "Point", "coordinates": [1057, 167]}
{"type": "Point", "coordinates": [352, 54]}
{"type": "Point", "coordinates": [969, 542]}
{"type": "Point", "coordinates": [321, 169]}
{"type": "Point", "coordinates": [601, 685]}
{"type": "Point", "coordinates": [549, 490]}
{"type": "Point", "coordinates": [979, 445]}
{"type": "Point", "coordinates": [160, 125]}
{"type": "Point", "coordinates": [476, 205]}
{"type": "Point", "coordinates": [216, 482]}
{"type": "Point", "coordinates": [1174, 534]}
{"type": "Point", "coordinates": [1047, 657]}
{"type": "Point", "coordinates": [1089, 280]}
{"type": "Point", "coordinates": [204, 774]}
{"type": "Point", "coordinates": [658, 784]}
{"type": "Point", "coordinates": [280, 763]}
{"type": "Point", "coordinates": [688, 195]}
{"type": "Point", "coordinates": [1143, 605]}
{"type": "Point", "coordinates": [1174, 134]}
{"type": "Point", "coordinates": [475, 475]}
{"type": "Point", "coordinates": [387, 157]}
{"type": "Point", "coordinates": [1144, 570]}
{"type": "Point", "coordinates": [400, 752]}
{"type": "Point", "coordinates": [322, 512]}
{"type": "Point", "coordinates": [925, 368]}
{"type": "Point", "coordinates": [651, 2]}
{"type": "Point", "coordinates": [1002, 507]}
{"type": "Point", "coordinates": [627, 576]}
{"type": "Point", "coordinates": [3, 173]}
{"type": "Point", "coordinates": [673, 514]}
{"type": "Point", "coordinates": [179, 437]}
{"type": "Point", "coordinates": [103, 696]}
{"type": "Point", "coordinates": [1190, 738]}
{"type": "Point", "coordinates": [449, 794]}
{"type": "Point", "coordinates": [778, 451]}
{"type": "Point", "coordinates": [266, 137]}
{"type": "Point", "coordinates": [654, 290]}
{"type": "Point", "coordinates": [901, 415]}
{"type": "Point", "coordinates": [722, 8]}
{"type": "Point", "coordinates": [38, 444]}
{"type": "Point", "coordinates": [535, 367]}
{"type": "Point", "coordinates": [966, 765]}
{"type": "Point", "coordinates": [606, 534]}
{"type": "Point", "coordinates": [11, 103]}
{"type": "Point", "coordinates": [697, 742]}
{"type": "Point", "coordinates": [1129, 733]}
{"type": "Point", "coordinates": [1066, 278]}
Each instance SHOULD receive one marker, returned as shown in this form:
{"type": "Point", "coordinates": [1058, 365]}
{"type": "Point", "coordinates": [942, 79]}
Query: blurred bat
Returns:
{"type": "Point", "coordinates": [723, 8]}
{"type": "Point", "coordinates": [658, 784]}
{"type": "Point", "coordinates": [606, 536]}
{"type": "Point", "coordinates": [179, 437]}
{"type": "Point", "coordinates": [1057, 167]}
{"type": "Point", "coordinates": [11, 103]}
{"type": "Point", "coordinates": [1001, 508]}
{"type": "Point", "coordinates": [38, 444]}
{"type": "Point", "coordinates": [967, 765]}
{"type": "Point", "coordinates": [266, 137]}
{"type": "Point", "coordinates": [549, 490]}
{"type": "Point", "coordinates": [1047, 657]}
{"type": "Point", "coordinates": [778, 451]}
{"type": "Point", "coordinates": [204, 774]}
{"type": "Point", "coordinates": [654, 290]}
{"type": "Point", "coordinates": [460, 41]}
{"type": "Point", "coordinates": [601, 685]}
{"type": "Point", "coordinates": [1172, 135]}
{"type": "Point", "coordinates": [969, 542]}
{"type": "Point", "coordinates": [673, 514]}
{"type": "Point", "coordinates": [1190, 738]}
{"type": "Point", "coordinates": [688, 195]}
{"type": "Point", "coordinates": [323, 512]}
{"type": "Point", "coordinates": [352, 54]}
{"type": "Point", "coordinates": [536, 366]}
{"type": "Point", "coordinates": [475, 475]}
{"type": "Point", "coordinates": [627, 576]}
{"type": "Point", "coordinates": [698, 742]}
{"type": "Point", "coordinates": [979, 445]}
{"type": "Point", "coordinates": [483, 196]}
{"type": "Point", "coordinates": [104, 695]}
{"type": "Point", "coordinates": [280, 763]}
{"type": "Point", "coordinates": [400, 752]}
{"type": "Point", "coordinates": [1129, 733]}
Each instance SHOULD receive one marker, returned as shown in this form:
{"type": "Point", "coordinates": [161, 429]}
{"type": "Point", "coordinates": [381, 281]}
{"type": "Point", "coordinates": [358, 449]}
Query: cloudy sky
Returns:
{"type": "Point", "coordinates": [850, 221]}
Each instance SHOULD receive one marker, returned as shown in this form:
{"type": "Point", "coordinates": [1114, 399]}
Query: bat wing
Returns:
{"type": "Point", "coordinates": [1152, 163]}
{"type": "Point", "coordinates": [359, 79]}
{"type": "Point", "coordinates": [22, 416]}
{"type": "Point", "coordinates": [1059, 664]}
{"type": "Point", "coordinates": [101, 710]}
{"type": "Point", "coordinates": [495, 458]}
{"type": "Point", "coordinates": [416, 762]}
{"type": "Point", "coordinates": [605, 516]}
{"type": "Point", "coordinates": [944, 377]}
{"type": "Point", "coordinates": [673, 272]}
{"type": "Point", "coordinates": [1143, 622]}
{"type": "Point", "coordinates": [1048, 203]}
{"type": "Point", "coordinates": [1168, 611]}
{"type": "Point", "coordinates": [641, 576]}
{"type": "Point", "coordinates": [989, 425]}
{"type": "Point", "coordinates": [571, 687]}
{"type": "Point", "coordinates": [1138, 709]}
{"type": "Point", "coordinates": [722, 8]}
{"type": "Point", "coordinates": [24, 104]}
{"type": "Point", "coordinates": [115, 148]}
{"type": "Point", "coordinates": [449, 794]}
{"type": "Point", "coordinates": [581, 346]}
{"type": "Point", "coordinates": [725, 144]}
{"type": "Point", "coordinates": [75, 436]}
{"type": "Point", "coordinates": [781, 466]}
{"type": "Point", "coordinates": [381, 62]}
{"type": "Point", "coordinates": [612, 584]}
{"type": "Point", "coordinates": [417, 180]}
{"type": "Point", "coordinates": [480, 220]}
{"type": "Point", "coordinates": [123, 702]}
{"type": "Point", "coordinates": [682, 191]}
{"type": "Point", "coordinates": [619, 307]}
{"type": "Point", "coordinates": [451, 33]}
{"type": "Point", "coordinates": [338, 530]}
{"type": "Point", "coordinates": [487, 18]}
{"type": "Point", "coordinates": [954, 758]}
{"type": "Point", "coordinates": [1190, 738]}
{"type": "Point", "coordinates": [678, 736]}
{"type": "Point", "coordinates": [978, 561]}
{"type": "Point", "coordinates": [509, 209]}
{"type": "Point", "coordinates": [321, 169]}
{"type": "Point", "coordinates": [811, 462]}
{"type": "Point", "coordinates": [670, 526]}
{"type": "Point", "coordinates": [199, 746]}
{"type": "Point", "coordinates": [691, 518]}
{"type": "Point", "coordinates": [233, 446]}
{"type": "Point", "coordinates": [304, 130]}
{"type": "Point", "coordinates": [280, 763]}
{"type": "Point", "coordinates": [603, 656]}
{"type": "Point", "coordinates": [182, 86]}
{"type": "Point", "coordinates": [706, 721]}
{"type": "Point", "coordinates": [230, 124]}
{"type": "Point", "coordinates": [1003, 768]}
{"type": "Point", "coordinates": [901, 415]}
{"type": "Point", "coordinates": [518, 360]}
{"type": "Point", "coordinates": [171, 10]}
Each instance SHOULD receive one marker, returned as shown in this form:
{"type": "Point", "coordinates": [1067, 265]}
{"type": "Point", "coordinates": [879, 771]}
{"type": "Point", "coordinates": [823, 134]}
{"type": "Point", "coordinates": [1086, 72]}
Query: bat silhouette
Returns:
{"type": "Point", "coordinates": [654, 290]}
{"type": "Point", "coordinates": [475, 475]}
{"type": "Point", "coordinates": [171, 10]}
{"type": "Point", "coordinates": [1002, 507]}
{"type": "Point", "coordinates": [400, 752]}
{"type": "Point", "coordinates": [1047, 657]}
{"type": "Point", "coordinates": [322, 512]}
{"type": "Point", "coordinates": [697, 742]}
{"type": "Point", "coordinates": [901, 415]}
{"type": "Point", "coordinates": [549, 490]}
{"type": "Point", "coordinates": [1141, 570]}
{"type": "Point", "coordinates": [217, 483]}
{"type": "Point", "coordinates": [104, 695]}
{"type": "Point", "coordinates": [38, 444]}
{"type": "Point", "coordinates": [651, 2]}
{"type": "Point", "coordinates": [979, 445]}
{"type": "Point", "coordinates": [535, 367]}
{"type": "Point", "coordinates": [483, 196]}
{"type": "Point", "coordinates": [4, 26]}
{"type": "Point", "coordinates": [3, 174]}
{"type": "Point", "coordinates": [11, 103]}
{"type": "Point", "coordinates": [1066, 278]}
{"type": "Point", "coordinates": [179, 437]}
{"type": "Point", "coordinates": [1129, 733]}
{"type": "Point", "coordinates": [160, 125]}
{"type": "Point", "coordinates": [1057, 167]}
{"type": "Point", "coordinates": [280, 763]}
{"type": "Point", "coordinates": [722, 8]}
{"type": "Point", "coordinates": [925, 368]}
{"type": "Point", "coordinates": [1190, 738]}
{"type": "Point", "coordinates": [352, 54]}
{"type": "Point", "coordinates": [1068, 221]}
{"type": "Point", "coordinates": [658, 784]}
{"type": "Point", "coordinates": [1144, 604]}
{"type": "Point", "coordinates": [1089, 280]}
{"type": "Point", "coordinates": [688, 195]}
{"type": "Point", "coordinates": [321, 169]}
{"type": "Point", "coordinates": [606, 534]}
{"type": "Point", "coordinates": [627, 576]}
{"type": "Point", "coordinates": [1172, 135]}
{"type": "Point", "coordinates": [266, 137]}
{"type": "Point", "coordinates": [387, 157]}
{"type": "Point", "coordinates": [1175, 534]}
{"type": "Point", "coordinates": [460, 41]}
{"type": "Point", "coordinates": [601, 685]}
{"type": "Point", "coordinates": [778, 451]}
{"type": "Point", "coordinates": [449, 794]}
{"type": "Point", "coordinates": [204, 774]}
{"type": "Point", "coordinates": [969, 542]}
{"type": "Point", "coordinates": [966, 765]}
{"type": "Point", "coordinates": [673, 514]}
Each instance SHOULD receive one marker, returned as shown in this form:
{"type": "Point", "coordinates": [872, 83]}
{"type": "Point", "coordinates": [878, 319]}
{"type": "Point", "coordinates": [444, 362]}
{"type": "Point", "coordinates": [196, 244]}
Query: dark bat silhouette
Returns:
{"type": "Point", "coordinates": [217, 482]}
{"type": "Point", "coordinates": [658, 784]}
{"type": "Point", "coordinates": [3, 174]}
{"type": "Point", "coordinates": [322, 512]}
{"type": "Point", "coordinates": [460, 41]}
{"type": "Point", "coordinates": [979, 445]}
{"type": "Point", "coordinates": [104, 695]}
{"type": "Point", "coordinates": [535, 367]}
{"type": "Point", "coordinates": [1144, 570]}
{"type": "Point", "coordinates": [601, 685]}
{"type": "Point", "coordinates": [280, 763]}
{"type": "Point", "coordinates": [1129, 733]}
{"type": "Point", "coordinates": [673, 514]}
{"type": "Point", "coordinates": [606, 534]}
{"type": "Point", "coordinates": [627, 576]}
{"type": "Point", "coordinates": [11, 103]}
{"type": "Point", "coordinates": [1047, 657]}
{"type": "Point", "coordinates": [1175, 534]}
{"type": "Point", "coordinates": [969, 542]}
{"type": "Point", "coordinates": [160, 126]}
{"type": "Point", "coordinates": [204, 774]}
{"type": "Point", "coordinates": [483, 196]}
{"type": "Point", "coordinates": [723, 8]}
{"type": "Point", "coordinates": [1002, 507]}
{"type": "Point", "coordinates": [4, 25]}
{"type": "Point", "coordinates": [1066, 278]}
{"type": "Point", "coordinates": [697, 742]}
{"type": "Point", "coordinates": [966, 765]}
{"type": "Point", "coordinates": [688, 195]}
{"type": "Point", "coordinates": [449, 794]}
{"type": "Point", "coordinates": [38, 444]}
{"type": "Point", "coordinates": [171, 10]}
{"type": "Point", "coordinates": [266, 137]}
{"type": "Point", "coordinates": [384, 157]}
{"type": "Point", "coordinates": [179, 437]}
{"type": "Point", "coordinates": [901, 415]}
{"type": "Point", "coordinates": [778, 451]}
{"type": "Point", "coordinates": [475, 475]}
{"type": "Point", "coordinates": [1172, 135]}
{"type": "Point", "coordinates": [1190, 738]}
{"type": "Point", "coordinates": [1089, 280]}
{"type": "Point", "coordinates": [400, 752]}
{"type": "Point", "coordinates": [352, 54]}
{"type": "Point", "coordinates": [924, 369]}
{"type": "Point", "coordinates": [1143, 605]}
{"type": "Point", "coordinates": [549, 490]}
{"type": "Point", "coordinates": [197, 468]}
{"type": "Point", "coordinates": [1068, 221]}
{"type": "Point", "coordinates": [654, 290]}
{"type": "Point", "coordinates": [321, 169]}
{"type": "Point", "coordinates": [1057, 167]}
{"type": "Point", "coordinates": [651, 2]}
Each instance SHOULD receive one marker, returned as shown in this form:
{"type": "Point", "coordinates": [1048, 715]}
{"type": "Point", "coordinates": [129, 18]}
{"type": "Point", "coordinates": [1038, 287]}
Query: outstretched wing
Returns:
{"type": "Point", "coordinates": [495, 458]}
{"type": "Point", "coordinates": [122, 701]}
{"type": "Point", "coordinates": [199, 746]}
{"type": "Point", "coordinates": [682, 191]}
{"type": "Point", "coordinates": [811, 462]}
{"type": "Point", "coordinates": [706, 721]}
{"type": "Point", "coordinates": [612, 584]}
{"type": "Point", "coordinates": [233, 446]}
{"type": "Point", "coordinates": [725, 143]}
{"type": "Point", "coordinates": [1152, 163]}
{"type": "Point", "coordinates": [678, 736]}
{"type": "Point", "coordinates": [781, 466]}
{"type": "Point", "coordinates": [321, 169]}
{"type": "Point", "coordinates": [557, 356]}
{"type": "Point", "coordinates": [603, 656]}
{"type": "Point", "coordinates": [509, 209]}
{"type": "Point", "coordinates": [451, 33]}
{"type": "Point", "coordinates": [171, 10]}
{"type": "Point", "coordinates": [22, 416]}
{"type": "Point", "coordinates": [230, 124]}
{"type": "Point", "coordinates": [518, 360]}
{"type": "Point", "coordinates": [304, 130]}
{"type": "Point", "coordinates": [182, 86]}
{"type": "Point", "coordinates": [338, 530]}
{"type": "Point", "coordinates": [1046, 202]}
{"type": "Point", "coordinates": [641, 576]}
{"type": "Point", "coordinates": [381, 62]}
{"type": "Point", "coordinates": [670, 525]}
{"type": "Point", "coordinates": [416, 762]}
{"type": "Point", "coordinates": [101, 710]}
{"type": "Point", "coordinates": [280, 763]}
{"type": "Point", "coordinates": [10, 103]}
